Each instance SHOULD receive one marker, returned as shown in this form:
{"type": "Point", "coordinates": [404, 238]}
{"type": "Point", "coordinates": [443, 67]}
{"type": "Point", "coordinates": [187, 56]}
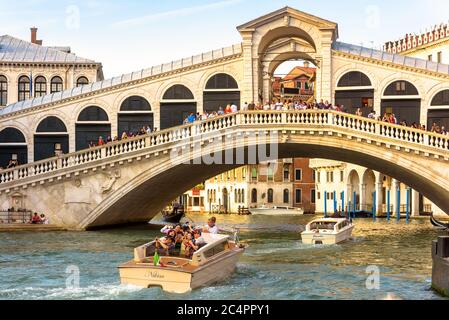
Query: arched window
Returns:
{"type": "Point", "coordinates": [135, 103]}
{"type": "Point", "coordinates": [51, 124]}
{"type": "Point", "coordinates": [401, 88]}
{"type": "Point", "coordinates": [254, 174]}
{"type": "Point", "coordinates": [178, 92]}
{"type": "Point", "coordinates": [51, 137]}
{"type": "Point", "coordinates": [236, 196]}
{"type": "Point", "coordinates": [3, 91]}
{"type": "Point", "coordinates": [354, 79]}
{"type": "Point", "coordinates": [270, 173]}
{"type": "Point", "coordinates": [270, 196]}
{"type": "Point", "coordinates": [254, 196]}
{"type": "Point", "coordinates": [56, 85]}
{"type": "Point", "coordinates": [221, 81]}
{"type": "Point", "coordinates": [24, 88]}
{"type": "Point", "coordinates": [93, 114]}
{"type": "Point", "coordinates": [135, 114]}
{"type": "Point", "coordinates": [242, 195]}
{"type": "Point", "coordinates": [93, 123]}
{"type": "Point", "coordinates": [13, 146]}
{"type": "Point", "coordinates": [40, 87]}
{"type": "Point", "coordinates": [286, 172]}
{"type": "Point", "coordinates": [82, 81]}
{"type": "Point", "coordinates": [441, 99]}
{"type": "Point", "coordinates": [286, 196]}
{"type": "Point", "coordinates": [221, 90]}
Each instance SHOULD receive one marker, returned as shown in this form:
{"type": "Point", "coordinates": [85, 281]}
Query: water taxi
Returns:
{"type": "Point", "coordinates": [277, 211]}
{"type": "Point", "coordinates": [212, 263]}
{"type": "Point", "coordinates": [327, 231]}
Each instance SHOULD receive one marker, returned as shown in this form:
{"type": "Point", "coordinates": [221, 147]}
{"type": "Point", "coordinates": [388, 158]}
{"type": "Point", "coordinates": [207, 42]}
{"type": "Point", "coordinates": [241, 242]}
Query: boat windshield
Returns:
{"type": "Point", "coordinates": [323, 226]}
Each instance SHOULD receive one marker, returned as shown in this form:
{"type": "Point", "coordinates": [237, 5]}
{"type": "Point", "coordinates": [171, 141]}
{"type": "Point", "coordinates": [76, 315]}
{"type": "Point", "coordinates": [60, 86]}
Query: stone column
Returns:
{"type": "Point", "coordinates": [378, 101]}
{"type": "Point", "coordinates": [395, 185]}
{"type": "Point", "coordinates": [266, 88]}
{"type": "Point", "coordinates": [380, 197]}
{"type": "Point", "coordinates": [248, 68]}
{"type": "Point", "coordinates": [326, 68]}
{"type": "Point", "coordinates": [415, 203]}
{"type": "Point", "coordinates": [363, 197]}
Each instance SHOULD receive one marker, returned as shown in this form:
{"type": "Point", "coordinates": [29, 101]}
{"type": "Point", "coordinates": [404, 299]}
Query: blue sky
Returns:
{"type": "Point", "coordinates": [130, 35]}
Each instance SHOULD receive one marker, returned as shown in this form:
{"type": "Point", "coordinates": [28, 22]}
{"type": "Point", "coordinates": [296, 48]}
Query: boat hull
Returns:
{"type": "Point", "coordinates": [181, 280]}
{"type": "Point", "coordinates": [313, 238]}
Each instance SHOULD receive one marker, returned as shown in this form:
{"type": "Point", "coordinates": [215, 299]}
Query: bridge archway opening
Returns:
{"type": "Point", "coordinates": [355, 90]}
{"type": "Point", "coordinates": [177, 104]}
{"type": "Point", "coordinates": [51, 137]}
{"type": "Point", "coordinates": [439, 110]}
{"type": "Point", "coordinates": [93, 123]}
{"type": "Point", "coordinates": [293, 80]}
{"type": "Point", "coordinates": [402, 99]}
{"type": "Point", "coordinates": [354, 189]}
{"type": "Point", "coordinates": [221, 89]}
{"type": "Point", "coordinates": [135, 113]}
{"type": "Point", "coordinates": [13, 146]}
{"type": "Point", "coordinates": [368, 188]}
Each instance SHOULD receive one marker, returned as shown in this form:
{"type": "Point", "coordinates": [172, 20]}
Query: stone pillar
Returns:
{"type": "Point", "coordinates": [415, 203]}
{"type": "Point", "coordinates": [379, 197]}
{"type": "Point", "coordinates": [248, 68]}
{"type": "Point", "coordinates": [363, 197]}
{"type": "Point", "coordinates": [395, 185]}
{"type": "Point", "coordinates": [325, 83]}
{"type": "Point", "coordinates": [378, 101]}
{"type": "Point", "coordinates": [266, 88]}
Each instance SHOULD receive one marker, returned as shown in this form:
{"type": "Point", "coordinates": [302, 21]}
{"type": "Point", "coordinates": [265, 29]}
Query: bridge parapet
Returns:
{"type": "Point", "coordinates": [420, 142]}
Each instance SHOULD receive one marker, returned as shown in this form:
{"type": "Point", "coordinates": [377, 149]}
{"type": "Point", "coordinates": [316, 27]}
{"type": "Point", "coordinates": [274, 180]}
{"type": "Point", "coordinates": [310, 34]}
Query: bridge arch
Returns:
{"type": "Point", "coordinates": [13, 146]}
{"type": "Point", "coordinates": [92, 123]}
{"type": "Point", "coordinates": [220, 89]}
{"type": "Point", "coordinates": [134, 114]}
{"type": "Point", "coordinates": [50, 135]}
{"type": "Point", "coordinates": [311, 37]}
{"type": "Point", "coordinates": [176, 104]}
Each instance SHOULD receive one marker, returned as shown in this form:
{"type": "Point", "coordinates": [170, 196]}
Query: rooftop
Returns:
{"type": "Point", "coordinates": [20, 51]}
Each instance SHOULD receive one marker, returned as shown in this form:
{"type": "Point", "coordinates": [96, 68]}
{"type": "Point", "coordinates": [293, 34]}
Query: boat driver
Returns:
{"type": "Point", "coordinates": [211, 226]}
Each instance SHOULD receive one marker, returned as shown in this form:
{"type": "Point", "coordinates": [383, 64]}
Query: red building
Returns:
{"type": "Point", "coordinates": [304, 187]}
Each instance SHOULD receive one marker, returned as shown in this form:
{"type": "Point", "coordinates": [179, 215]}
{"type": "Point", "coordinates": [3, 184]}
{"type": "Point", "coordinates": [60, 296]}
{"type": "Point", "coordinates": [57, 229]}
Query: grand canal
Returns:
{"type": "Point", "coordinates": [276, 265]}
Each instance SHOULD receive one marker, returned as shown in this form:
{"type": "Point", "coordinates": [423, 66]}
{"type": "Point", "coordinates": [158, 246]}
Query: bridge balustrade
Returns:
{"type": "Point", "coordinates": [314, 118]}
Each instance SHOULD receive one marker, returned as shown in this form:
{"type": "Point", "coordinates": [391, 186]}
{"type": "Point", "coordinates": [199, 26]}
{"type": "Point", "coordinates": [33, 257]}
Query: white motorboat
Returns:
{"type": "Point", "coordinates": [327, 231]}
{"type": "Point", "coordinates": [277, 211]}
{"type": "Point", "coordinates": [214, 262]}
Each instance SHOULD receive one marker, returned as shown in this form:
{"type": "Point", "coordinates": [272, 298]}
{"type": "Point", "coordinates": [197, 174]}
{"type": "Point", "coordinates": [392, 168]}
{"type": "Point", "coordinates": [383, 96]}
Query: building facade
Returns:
{"type": "Point", "coordinates": [287, 182]}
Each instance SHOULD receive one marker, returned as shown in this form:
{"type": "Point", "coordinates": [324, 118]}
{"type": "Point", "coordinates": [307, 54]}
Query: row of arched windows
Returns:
{"type": "Point", "coordinates": [38, 88]}
{"type": "Point", "coordinates": [239, 195]}
{"type": "Point", "coordinates": [270, 196]}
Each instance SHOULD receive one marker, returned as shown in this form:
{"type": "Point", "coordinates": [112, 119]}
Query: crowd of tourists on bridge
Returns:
{"type": "Point", "coordinates": [184, 240]}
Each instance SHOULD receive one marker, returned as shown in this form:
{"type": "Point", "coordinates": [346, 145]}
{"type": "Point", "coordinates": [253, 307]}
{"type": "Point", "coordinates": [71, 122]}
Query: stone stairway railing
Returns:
{"type": "Point", "coordinates": [412, 139]}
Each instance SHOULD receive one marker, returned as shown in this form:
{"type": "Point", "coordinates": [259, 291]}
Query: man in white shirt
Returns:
{"type": "Point", "coordinates": [211, 226]}
{"type": "Point", "coordinates": [234, 108]}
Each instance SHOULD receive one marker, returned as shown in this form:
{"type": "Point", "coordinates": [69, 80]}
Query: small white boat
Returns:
{"type": "Point", "coordinates": [212, 263]}
{"type": "Point", "coordinates": [277, 211]}
{"type": "Point", "coordinates": [327, 231]}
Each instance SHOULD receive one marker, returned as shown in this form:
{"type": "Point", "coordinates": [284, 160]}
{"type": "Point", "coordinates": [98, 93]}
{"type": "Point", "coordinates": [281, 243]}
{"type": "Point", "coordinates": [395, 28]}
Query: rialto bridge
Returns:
{"type": "Point", "coordinates": [131, 180]}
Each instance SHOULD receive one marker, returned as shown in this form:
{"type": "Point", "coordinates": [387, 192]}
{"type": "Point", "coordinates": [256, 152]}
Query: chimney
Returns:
{"type": "Point", "coordinates": [306, 64]}
{"type": "Point", "coordinates": [34, 36]}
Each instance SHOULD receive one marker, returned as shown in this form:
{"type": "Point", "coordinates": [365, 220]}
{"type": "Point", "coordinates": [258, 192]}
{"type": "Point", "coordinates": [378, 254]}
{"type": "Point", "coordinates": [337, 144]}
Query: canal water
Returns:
{"type": "Point", "coordinates": [275, 266]}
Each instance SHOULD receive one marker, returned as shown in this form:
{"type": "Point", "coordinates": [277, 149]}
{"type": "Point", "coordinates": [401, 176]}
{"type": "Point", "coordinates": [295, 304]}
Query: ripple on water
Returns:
{"type": "Point", "coordinates": [276, 265]}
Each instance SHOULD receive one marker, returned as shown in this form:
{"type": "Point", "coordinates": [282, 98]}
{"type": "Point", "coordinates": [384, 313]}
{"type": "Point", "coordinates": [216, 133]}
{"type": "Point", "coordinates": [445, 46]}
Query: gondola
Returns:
{"type": "Point", "coordinates": [171, 217]}
{"type": "Point", "coordinates": [438, 224]}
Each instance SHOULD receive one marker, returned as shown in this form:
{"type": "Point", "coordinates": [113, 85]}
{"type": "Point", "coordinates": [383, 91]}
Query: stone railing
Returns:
{"type": "Point", "coordinates": [414, 139]}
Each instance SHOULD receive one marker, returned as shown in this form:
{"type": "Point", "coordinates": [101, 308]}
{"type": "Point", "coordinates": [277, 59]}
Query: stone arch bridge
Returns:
{"type": "Point", "coordinates": [132, 180]}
